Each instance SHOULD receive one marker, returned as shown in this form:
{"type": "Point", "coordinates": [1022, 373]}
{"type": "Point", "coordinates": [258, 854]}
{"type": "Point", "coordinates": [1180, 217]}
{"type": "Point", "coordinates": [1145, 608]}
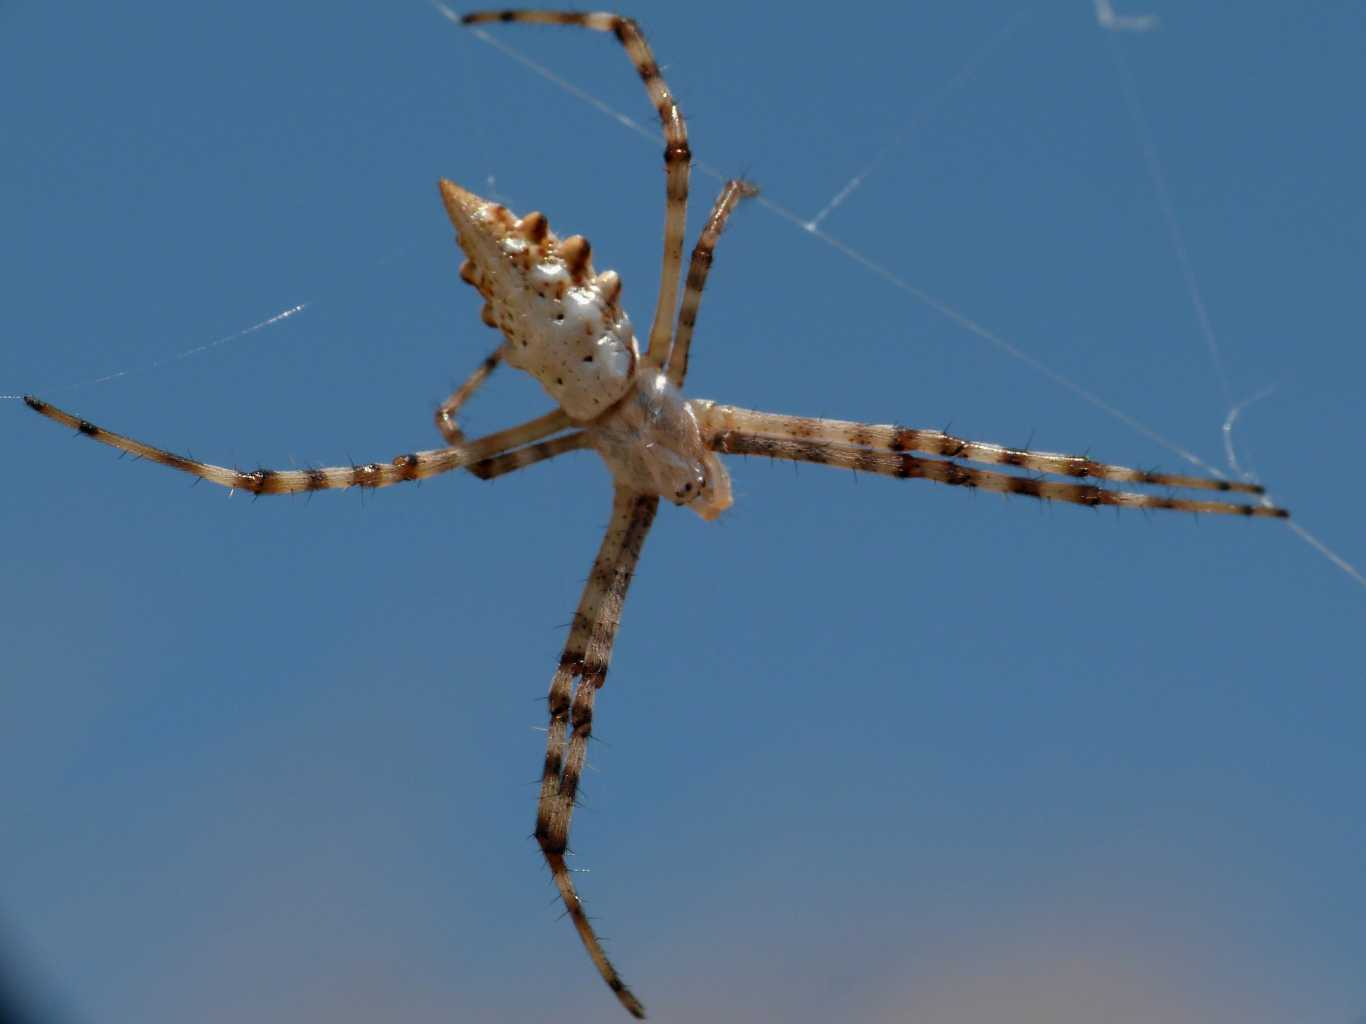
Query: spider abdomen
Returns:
{"type": "Point", "coordinates": [564, 323]}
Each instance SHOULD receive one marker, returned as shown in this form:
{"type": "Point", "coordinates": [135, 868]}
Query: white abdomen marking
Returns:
{"type": "Point", "coordinates": [564, 324]}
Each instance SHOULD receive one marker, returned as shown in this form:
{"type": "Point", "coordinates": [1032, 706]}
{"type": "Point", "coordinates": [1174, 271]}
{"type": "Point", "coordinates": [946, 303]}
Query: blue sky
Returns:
{"type": "Point", "coordinates": [870, 750]}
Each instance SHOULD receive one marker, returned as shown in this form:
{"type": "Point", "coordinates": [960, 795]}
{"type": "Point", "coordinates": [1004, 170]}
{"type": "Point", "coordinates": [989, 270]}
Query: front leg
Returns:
{"type": "Point", "coordinates": [445, 413]}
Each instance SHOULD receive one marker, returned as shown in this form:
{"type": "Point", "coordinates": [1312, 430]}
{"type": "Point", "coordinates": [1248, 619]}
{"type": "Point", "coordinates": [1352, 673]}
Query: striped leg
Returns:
{"type": "Point", "coordinates": [698, 268]}
{"type": "Point", "coordinates": [520, 458]}
{"type": "Point", "coordinates": [413, 466]}
{"type": "Point", "coordinates": [586, 655]}
{"type": "Point", "coordinates": [445, 415]}
{"type": "Point", "coordinates": [903, 466]}
{"type": "Point", "coordinates": [677, 155]}
{"type": "Point", "coordinates": [883, 437]}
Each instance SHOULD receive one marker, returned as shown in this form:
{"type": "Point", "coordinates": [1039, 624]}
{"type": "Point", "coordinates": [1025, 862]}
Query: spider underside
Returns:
{"type": "Point", "coordinates": [564, 324]}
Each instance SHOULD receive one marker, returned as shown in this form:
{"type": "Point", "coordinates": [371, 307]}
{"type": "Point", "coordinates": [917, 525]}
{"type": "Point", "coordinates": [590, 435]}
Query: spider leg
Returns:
{"type": "Point", "coordinates": [677, 155]}
{"type": "Point", "coordinates": [445, 413]}
{"type": "Point", "coordinates": [904, 466]}
{"type": "Point", "coordinates": [586, 655]}
{"type": "Point", "coordinates": [412, 466]}
{"type": "Point", "coordinates": [698, 268]}
{"type": "Point", "coordinates": [520, 458]}
{"type": "Point", "coordinates": [887, 438]}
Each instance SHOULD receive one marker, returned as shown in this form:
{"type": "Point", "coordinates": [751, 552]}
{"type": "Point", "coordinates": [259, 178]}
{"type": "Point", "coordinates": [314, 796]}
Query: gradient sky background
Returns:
{"type": "Point", "coordinates": [871, 751]}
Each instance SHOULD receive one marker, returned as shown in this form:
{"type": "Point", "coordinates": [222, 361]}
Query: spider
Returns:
{"type": "Point", "coordinates": [563, 322]}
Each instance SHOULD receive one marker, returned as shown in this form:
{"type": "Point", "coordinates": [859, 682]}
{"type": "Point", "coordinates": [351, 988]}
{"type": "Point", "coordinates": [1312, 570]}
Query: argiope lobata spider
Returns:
{"type": "Point", "coordinates": [563, 323]}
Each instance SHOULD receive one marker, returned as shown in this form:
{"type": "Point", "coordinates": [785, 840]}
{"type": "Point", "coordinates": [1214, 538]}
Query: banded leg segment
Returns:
{"type": "Point", "coordinates": [445, 413]}
{"type": "Point", "coordinates": [698, 269]}
{"type": "Point", "coordinates": [412, 466]}
{"type": "Point", "coordinates": [885, 437]}
{"type": "Point", "coordinates": [520, 458]}
{"type": "Point", "coordinates": [586, 656]}
{"type": "Point", "coordinates": [677, 155]}
{"type": "Point", "coordinates": [905, 466]}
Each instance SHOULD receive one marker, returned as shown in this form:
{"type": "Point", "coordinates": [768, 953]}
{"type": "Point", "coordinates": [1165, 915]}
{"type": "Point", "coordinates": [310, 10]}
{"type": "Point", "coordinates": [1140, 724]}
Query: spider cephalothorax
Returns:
{"type": "Point", "coordinates": [652, 442]}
